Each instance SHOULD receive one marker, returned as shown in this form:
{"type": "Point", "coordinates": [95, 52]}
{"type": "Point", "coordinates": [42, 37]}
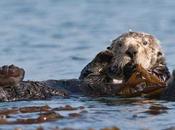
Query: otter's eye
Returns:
{"type": "Point", "coordinates": [145, 43]}
{"type": "Point", "coordinates": [159, 53]}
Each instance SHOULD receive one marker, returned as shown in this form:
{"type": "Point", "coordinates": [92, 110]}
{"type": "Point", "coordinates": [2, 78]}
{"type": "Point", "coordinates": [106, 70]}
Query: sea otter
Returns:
{"type": "Point", "coordinates": [117, 63]}
{"type": "Point", "coordinates": [129, 48]}
{"type": "Point", "coordinates": [101, 77]}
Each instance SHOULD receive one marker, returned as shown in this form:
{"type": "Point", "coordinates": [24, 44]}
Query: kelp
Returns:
{"type": "Point", "coordinates": [42, 113]}
{"type": "Point", "coordinates": [142, 83]}
{"type": "Point", "coordinates": [157, 109]}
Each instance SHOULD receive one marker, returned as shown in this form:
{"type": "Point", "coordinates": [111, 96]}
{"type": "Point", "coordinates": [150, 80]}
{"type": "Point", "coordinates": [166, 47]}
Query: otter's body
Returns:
{"type": "Point", "coordinates": [98, 78]}
{"type": "Point", "coordinates": [41, 90]}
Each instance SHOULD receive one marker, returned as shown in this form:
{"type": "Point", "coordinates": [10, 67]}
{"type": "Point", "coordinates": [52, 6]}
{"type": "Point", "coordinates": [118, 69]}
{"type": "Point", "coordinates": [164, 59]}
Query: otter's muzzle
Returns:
{"type": "Point", "coordinates": [132, 51]}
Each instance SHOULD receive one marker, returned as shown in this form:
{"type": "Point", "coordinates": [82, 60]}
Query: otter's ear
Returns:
{"type": "Point", "coordinates": [160, 58]}
{"type": "Point", "coordinates": [109, 48]}
{"type": "Point", "coordinates": [159, 54]}
{"type": "Point", "coordinates": [104, 56]}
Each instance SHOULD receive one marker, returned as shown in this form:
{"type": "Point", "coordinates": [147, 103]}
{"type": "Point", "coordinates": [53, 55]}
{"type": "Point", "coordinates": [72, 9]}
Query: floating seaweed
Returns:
{"type": "Point", "coordinates": [74, 115]}
{"type": "Point", "coordinates": [157, 109]}
{"type": "Point", "coordinates": [43, 113]}
{"type": "Point", "coordinates": [34, 109]}
{"type": "Point", "coordinates": [67, 108]}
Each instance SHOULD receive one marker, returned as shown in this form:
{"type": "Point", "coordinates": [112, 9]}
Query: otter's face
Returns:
{"type": "Point", "coordinates": [135, 47]}
{"type": "Point", "coordinates": [11, 75]}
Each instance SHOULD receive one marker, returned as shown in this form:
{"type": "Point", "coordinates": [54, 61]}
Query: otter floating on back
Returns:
{"type": "Point", "coordinates": [101, 77]}
{"type": "Point", "coordinates": [135, 47]}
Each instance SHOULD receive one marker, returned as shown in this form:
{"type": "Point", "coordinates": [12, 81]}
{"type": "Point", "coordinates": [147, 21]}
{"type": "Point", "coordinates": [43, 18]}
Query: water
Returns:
{"type": "Point", "coordinates": [54, 39]}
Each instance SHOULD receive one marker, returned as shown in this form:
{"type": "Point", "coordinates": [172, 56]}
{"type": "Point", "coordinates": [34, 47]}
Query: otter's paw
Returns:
{"type": "Point", "coordinates": [128, 70]}
{"type": "Point", "coordinates": [11, 75]}
{"type": "Point", "coordinates": [104, 56]}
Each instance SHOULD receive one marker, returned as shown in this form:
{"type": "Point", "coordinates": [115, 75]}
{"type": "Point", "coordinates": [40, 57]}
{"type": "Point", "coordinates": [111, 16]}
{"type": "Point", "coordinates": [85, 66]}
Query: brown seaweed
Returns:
{"type": "Point", "coordinates": [34, 109]}
{"type": "Point", "coordinates": [43, 113]}
{"type": "Point", "coordinates": [157, 109]}
{"type": "Point", "coordinates": [9, 111]}
{"type": "Point", "coordinates": [113, 128]}
{"type": "Point", "coordinates": [74, 115]}
{"type": "Point", "coordinates": [67, 108]}
{"type": "Point", "coordinates": [142, 83]}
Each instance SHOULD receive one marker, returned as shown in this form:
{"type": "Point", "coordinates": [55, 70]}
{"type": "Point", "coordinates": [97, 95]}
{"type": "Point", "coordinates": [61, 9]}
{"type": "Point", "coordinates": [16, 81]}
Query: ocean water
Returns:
{"type": "Point", "coordinates": [55, 39]}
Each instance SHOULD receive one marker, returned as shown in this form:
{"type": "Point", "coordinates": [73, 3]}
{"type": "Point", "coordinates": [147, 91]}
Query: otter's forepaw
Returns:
{"type": "Point", "coordinates": [128, 70]}
{"type": "Point", "coordinates": [104, 56]}
{"type": "Point", "coordinates": [11, 75]}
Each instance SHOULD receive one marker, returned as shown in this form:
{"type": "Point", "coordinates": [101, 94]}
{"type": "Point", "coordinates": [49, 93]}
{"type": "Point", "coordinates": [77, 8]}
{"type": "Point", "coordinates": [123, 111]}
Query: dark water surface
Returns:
{"type": "Point", "coordinates": [55, 39]}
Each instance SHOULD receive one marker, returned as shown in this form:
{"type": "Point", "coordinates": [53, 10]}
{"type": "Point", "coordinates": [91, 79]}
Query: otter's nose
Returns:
{"type": "Point", "coordinates": [131, 52]}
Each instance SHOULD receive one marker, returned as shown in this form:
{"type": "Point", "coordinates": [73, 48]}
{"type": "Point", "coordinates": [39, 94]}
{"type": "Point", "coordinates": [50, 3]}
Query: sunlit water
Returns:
{"type": "Point", "coordinates": [55, 39]}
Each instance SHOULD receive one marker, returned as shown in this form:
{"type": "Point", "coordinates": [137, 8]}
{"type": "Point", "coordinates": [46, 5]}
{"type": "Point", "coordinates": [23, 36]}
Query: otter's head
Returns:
{"type": "Point", "coordinates": [11, 75]}
{"type": "Point", "coordinates": [136, 47]}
